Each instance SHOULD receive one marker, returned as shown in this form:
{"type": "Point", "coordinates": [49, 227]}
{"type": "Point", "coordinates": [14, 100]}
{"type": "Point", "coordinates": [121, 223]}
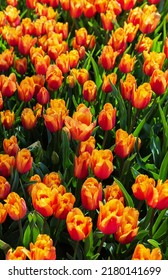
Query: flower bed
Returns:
{"type": "Point", "coordinates": [83, 125]}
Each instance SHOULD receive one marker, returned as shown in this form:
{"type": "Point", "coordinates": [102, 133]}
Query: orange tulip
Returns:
{"type": "Point", "coordinates": [107, 117]}
{"type": "Point", "coordinates": [24, 161]}
{"type": "Point", "coordinates": [27, 25]}
{"type": "Point", "coordinates": [7, 118]}
{"type": "Point", "coordinates": [82, 76]}
{"type": "Point", "coordinates": [126, 64]}
{"type": "Point", "coordinates": [81, 165]}
{"type": "Point", "coordinates": [26, 89]}
{"type": "Point", "coordinates": [107, 81]}
{"type": "Point", "coordinates": [21, 65]}
{"type": "Point", "coordinates": [135, 15]}
{"type": "Point", "coordinates": [12, 15]}
{"type": "Point", "coordinates": [76, 8]}
{"type": "Point", "coordinates": [166, 47]}
{"type": "Point", "coordinates": [36, 179]}
{"type": "Point", "coordinates": [127, 5]}
{"type": "Point", "coordinates": [5, 187]}
{"type": "Point", "coordinates": [89, 9]}
{"type": "Point", "coordinates": [128, 86]}
{"type": "Point", "coordinates": [73, 57]}
{"type": "Point", "coordinates": [43, 199]}
{"type": "Point", "coordinates": [118, 40]}
{"type": "Point", "coordinates": [78, 226]}
{"type": "Point", "coordinates": [113, 191]}
{"type": "Point", "coordinates": [61, 28]}
{"type": "Point", "coordinates": [15, 206]}
{"type": "Point", "coordinates": [54, 77]}
{"type": "Point", "coordinates": [43, 96]}
{"type": "Point", "coordinates": [143, 187]}
{"type": "Point", "coordinates": [31, 4]}
{"type": "Point", "coordinates": [124, 143]}
{"type": "Point", "coordinates": [101, 163]}
{"type": "Point", "coordinates": [130, 31]}
{"type": "Point", "coordinates": [28, 118]}
{"type": "Point", "coordinates": [149, 20]}
{"type": "Point", "coordinates": [63, 63]}
{"type": "Point", "coordinates": [65, 4]}
{"type": "Point", "coordinates": [87, 146]}
{"type": "Point", "coordinates": [17, 254]}
{"type": "Point", "coordinates": [144, 44]}
{"type": "Point", "coordinates": [6, 59]}
{"type": "Point", "coordinates": [25, 43]}
{"type": "Point", "coordinates": [8, 85]}
{"type": "Point", "coordinates": [1, 101]}
{"type": "Point", "coordinates": [141, 97]}
{"type": "Point", "coordinates": [41, 64]}
{"type": "Point", "coordinates": [91, 193]}
{"type": "Point", "coordinates": [3, 213]}
{"type": "Point", "coordinates": [81, 36]}
{"type": "Point", "coordinates": [42, 249]}
{"type": "Point", "coordinates": [158, 81]}
{"type": "Point", "coordinates": [152, 61]}
{"type": "Point", "coordinates": [10, 146]}
{"type": "Point", "coordinates": [80, 125]}
{"type": "Point", "coordinates": [109, 217]}
{"type": "Point", "coordinates": [53, 178]}
{"type": "Point", "coordinates": [107, 20]}
{"type": "Point", "coordinates": [63, 204]}
{"type": "Point", "coordinates": [143, 253]}
{"type": "Point", "coordinates": [162, 191]}
{"type": "Point", "coordinates": [101, 5]}
{"type": "Point", "coordinates": [107, 58]}
{"type": "Point", "coordinates": [6, 164]}
{"type": "Point", "coordinates": [128, 228]}
{"type": "Point", "coordinates": [89, 90]}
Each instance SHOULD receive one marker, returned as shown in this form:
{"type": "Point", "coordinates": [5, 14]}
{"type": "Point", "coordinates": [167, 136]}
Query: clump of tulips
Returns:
{"type": "Point", "coordinates": [83, 129]}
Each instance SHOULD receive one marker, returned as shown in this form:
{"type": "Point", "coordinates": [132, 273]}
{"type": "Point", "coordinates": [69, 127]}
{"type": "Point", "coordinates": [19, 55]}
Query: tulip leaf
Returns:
{"type": "Point", "coordinates": [141, 234]}
{"type": "Point", "coordinates": [27, 236]}
{"type": "Point", "coordinates": [127, 197]}
{"type": "Point", "coordinates": [154, 243]}
{"type": "Point", "coordinates": [158, 221]}
{"type": "Point", "coordinates": [163, 168]}
{"type": "Point", "coordinates": [163, 229]}
{"type": "Point", "coordinates": [98, 80]}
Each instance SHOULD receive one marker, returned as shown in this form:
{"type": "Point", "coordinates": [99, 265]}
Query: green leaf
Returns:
{"type": "Point", "coordinates": [27, 236]}
{"type": "Point", "coordinates": [127, 197]}
{"type": "Point", "coordinates": [141, 234]}
{"type": "Point", "coordinates": [153, 242]}
{"type": "Point", "coordinates": [98, 79]}
{"type": "Point", "coordinates": [163, 229]}
{"type": "Point", "coordinates": [35, 232]}
{"type": "Point", "coordinates": [163, 168]}
{"type": "Point", "coordinates": [65, 150]}
{"type": "Point", "coordinates": [158, 221]}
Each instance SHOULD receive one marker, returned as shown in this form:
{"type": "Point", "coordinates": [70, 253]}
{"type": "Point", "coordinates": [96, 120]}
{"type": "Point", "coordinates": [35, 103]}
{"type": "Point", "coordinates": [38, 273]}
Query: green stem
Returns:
{"type": "Point", "coordinates": [76, 250]}
{"type": "Point", "coordinates": [20, 231]}
{"type": "Point", "coordinates": [44, 224]}
{"type": "Point", "coordinates": [133, 121]}
{"type": "Point", "coordinates": [101, 244]}
{"type": "Point", "coordinates": [151, 222]}
{"type": "Point", "coordinates": [105, 139]}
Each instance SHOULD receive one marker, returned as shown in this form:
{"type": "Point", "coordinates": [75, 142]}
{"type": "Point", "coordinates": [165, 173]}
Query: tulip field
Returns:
{"type": "Point", "coordinates": [83, 130]}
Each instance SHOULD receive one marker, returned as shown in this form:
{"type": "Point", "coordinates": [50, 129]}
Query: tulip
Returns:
{"type": "Point", "coordinates": [53, 120]}
{"type": "Point", "coordinates": [113, 191]}
{"type": "Point", "coordinates": [54, 77]}
{"type": "Point", "coordinates": [81, 36]}
{"type": "Point", "coordinates": [3, 213]}
{"type": "Point", "coordinates": [17, 254]}
{"type": "Point", "coordinates": [82, 76]}
{"type": "Point", "coordinates": [124, 143]}
{"type": "Point", "coordinates": [130, 31]}
{"type": "Point", "coordinates": [78, 226]}
{"type": "Point", "coordinates": [73, 58]}
{"type": "Point", "coordinates": [101, 163]}
{"type": "Point", "coordinates": [109, 217]}
{"type": "Point", "coordinates": [80, 125]}
{"type": "Point", "coordinates": [7, 118]}
{"type": "Point", "coordinates": [126, 64]}
{"type": "Point", "coordinates": [128, 228]}
{"type": "Point", "coordinates": [12, 15]}
{"type": "Point", "coordinates": [108, 57]}
{"type": "Point", "coordinates": [25, 43]}
{"type": "Point", "coordinates": [128, 86]}
{"type": "Point", "coordinates": [91, 193]}
{"type": "Point", "coordinates": [107, 81]}
{"type": "Point", "coordinates": [149, 21]}
{"type": "Point", "coordinates": [135, 16]}
{"type": "Point", "coordinates": [24, 161]}
{"type": "Point", "coordinates": [81, 165]}
{"type": "Point", "coordinates": [143, 253]}
{"type": "Point", "coordinates": [76, 8]}
{"type": "Point", "coordinates": [52, 178]}
{"type": "Point", "coordinates": [118, 40]}
{"type": "Point", "coordinates": [8, 87]}
{"type": "Point", "coordinates": [143, 187]}
{"type": "Point", "coordinates": [107, 117]}
{"type": "Point", "coordinates": [141, 97]}
{"type": "Point", "coordinates": [162, 191]}
{"type": "Point", "coordinates": [26, 89]}
{"type": "Point", "coordinates": [36, 179]}
{"type": "Point", "coordinates": [42, 249]}
{"type": "Point", "coordinates": [6, 59]}
{"type": "Point", "coordinates": [62, 62]}
{"type": "Point", "coordinates": [1, 101]}
{"type": "Point", "coordinates": [62, 205]}
{"type": "Point", "coordinates": [158, 81]}
{"type": "Point", "coordinates": [107, 20]}
{"type": "Point", "coordinates": [27, 25]}
{"type": "Point", "coordinates": [31, 4]}
{"type": "Point", "coordinates": [5, 187]}
{"type": "Point", "coordinates": [89, 90]}
{"type": "Point", "coordinates": [166, 47]}
{"type": "Point", "coordinates": [65, 4]}
{"type": "Point", "coordinates": [43, 96]}
{"type": "Point", "coordinates": [152, 61]}
{"type": "Point", "coordinates": [144, 44]}
{"type": "Point", "coordinates": [21, 65]}
{"type": "Point", "coordinates": [89, 9]}
{"type": "Point", "coordinates": [127, 5]}
{"type": "Point", "coordinates": [101, 5]}
{"type": "Point", "coordinates": [87, 146]}
{"type": "Point", "coordinates": [10, 146]}
{"type": "Point", "coordinates": [41, 64]}
{"type": "Point", "coordinates": [15, 206]}
{"type": "Point", "coordinates": [6, 164]}
{"type": "Point", "coordinates": [28, 118]}
{"type": "Point", "coordinates": [62, 28]}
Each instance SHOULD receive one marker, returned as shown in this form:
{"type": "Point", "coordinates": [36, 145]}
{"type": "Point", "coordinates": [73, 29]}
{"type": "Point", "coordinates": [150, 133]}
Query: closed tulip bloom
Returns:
{"type": "Point", "coordinates": [81, 165]}
{"type": "Point", "coordinates": [62, 28]}
{"type": "Point", "coordinates": [1, 101]}
{"type": "Point", "coordinates": [101, 163]}
{"type": "Point", "coordinates": [78, 226]}
{"type": "Point", "coordinates": [129, 226]}
{"type": "Point", "coordinates": [3, 213]}
{"type": "Point", "coordinates": [28, 118]}
{"type": "Point", "coordinates": [34, 179]}
{"type": "Point", "coordinates": [118, 40]}
{"type": "Point", "coordinates": [153, 61]}
{"type": "Point", "coordinates": [130, 31]}
{"type": "Point", "coordinates": [26, 89]}
{"type": "Point", "coordinates": [91, 194]}
{"type": "Point", "coordinates": [12, 15]}
{"type": "Point", "coordinates": [89, 9]}
{"type": "Point", "coordinates": [113, 191]}
{"type": "Point", "coordinates": [107, 20]}
{"type": "Point", "coordinates": [107, 81]}
{"type": "Point", "coordinates": [108, 57]}
{"type": "Point", "coordinates": [63, 204]}
{"type": "Point", "coordinates": [135, 15]}
{"type": "Point", "coordinates": [43, 96]}
{"type": "Point", "coordinates": [141, 97]}
{"type": "Point", "coordinates": [43, 199]}
{"type": "Point", "coordinates": [126, 64]}
{"type": "Point", "coordinates": [166, 47]}
{"type": "Point", "coordinates": [25, 43]}
{"type": "Point", "coordinates": [80, 125]}
{"type": "Point", "coordinates": [89, 90]}
{"type": "Point", "coordinates": [107, 117]}
{"type": "Point", "coordinates": [76, 8]}
{"type": "Point", "coordinates": [52, 178]}
{"type": "Point", "coordinates": [82, 76]}
{"type": "Point", "coordinates": [5, 187]}
{"type": "Point", "coordinates": [162, 190]}
{"type": "Point", "coordinates": [15, 206]}
{"type": "Point", "coordinates": [16, 254]}
{"type": "Point", "coordinates": [7, 163]}
{"type": "Point", "coordinates": [127, 5]}
{"type": "Point", "coordinates": [41, 64]}
{"type": "Point", "coordinates": [158, 81]}
{"type": "Point", "coordinates": [149, 22]}
{"type": "Point", "coordinates": [10, 146]}
{"type": "Point", "coordinates": [53, 120]}
{"type": "Point", "coordinates": [101, 5]}
{"type": "Point", "coordinates": [63, 63]}
{"type": "Point", "coordinates": [6, 59]}
{"type": "Point", "coordinates": [128, 86]}
{"type": "Point", "coordinates": [143, 253]}
{"type": "Point", "coordinates": [124, 143]}
{"type": "Point", "coordinates": [87, 146]}
{"type": "Point", "coordinates": [21, 65]}
{"type": "Point", "coordinates": [24, 161]}
{"type": "Point", "coordinates": [54, 77]}
{"type": "Point", "coordinates": [7, 118]}
{"type": "Point", "coordinates": [143, 187]}
{"type": "Point", "coordinates": [144, 44]}
{"type": "Point", "coordinates": [8, 85]}
{"type": "Point", "coordinates": [42, 249]}
{"type": "Point", "coordinates": [81, 36]}
{"type": "Point", "coordinates": [109, 217]}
